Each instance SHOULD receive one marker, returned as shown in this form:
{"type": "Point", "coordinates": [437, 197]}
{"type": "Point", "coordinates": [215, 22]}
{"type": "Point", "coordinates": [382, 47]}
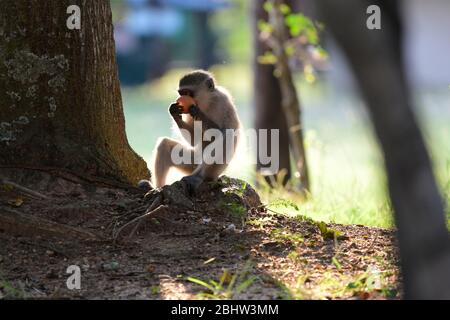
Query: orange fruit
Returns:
{"type": "Point", "coordinates": [186, 102]}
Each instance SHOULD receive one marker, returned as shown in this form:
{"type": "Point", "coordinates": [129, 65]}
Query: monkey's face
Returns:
{"type": "Point", "coordinates": [195, 82]}
{"type": "Point", "coordinates": [196, 90]}
{"type": "Point", "coordinates": [186, 92]}
{"type": "Point", "coordinates": [198, 85]}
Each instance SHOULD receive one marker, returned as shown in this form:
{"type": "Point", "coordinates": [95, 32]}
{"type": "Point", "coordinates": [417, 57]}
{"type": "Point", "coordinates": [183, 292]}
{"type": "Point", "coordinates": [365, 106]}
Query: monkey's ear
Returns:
{"type": "Point", "coordinates": [210, 84]}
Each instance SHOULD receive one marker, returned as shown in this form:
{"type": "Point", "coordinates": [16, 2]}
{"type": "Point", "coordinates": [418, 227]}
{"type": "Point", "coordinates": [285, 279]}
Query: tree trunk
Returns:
{"type": "Point", "coordinates": [267, 97]}
{"type": "Point", "coordinates": [290, 102]}
{"type": "Point", "coordinates": [376, 59]}
{"type": "Point", "coordinates": [60, 100]}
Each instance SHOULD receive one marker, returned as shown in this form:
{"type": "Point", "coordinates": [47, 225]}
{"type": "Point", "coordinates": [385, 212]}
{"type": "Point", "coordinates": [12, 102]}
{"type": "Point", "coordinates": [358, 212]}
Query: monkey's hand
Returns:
{"type": "Point", "coordinates": [175, 111]}
{"type": "Point", "coordinates": [194, 111]}
{"type": "Point", "coordinates": [192, 183]}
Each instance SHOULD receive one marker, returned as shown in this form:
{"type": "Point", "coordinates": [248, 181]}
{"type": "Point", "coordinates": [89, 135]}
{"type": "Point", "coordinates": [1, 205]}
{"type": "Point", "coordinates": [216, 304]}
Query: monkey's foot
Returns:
{"type": "Point", "coordinates": [191, 184]}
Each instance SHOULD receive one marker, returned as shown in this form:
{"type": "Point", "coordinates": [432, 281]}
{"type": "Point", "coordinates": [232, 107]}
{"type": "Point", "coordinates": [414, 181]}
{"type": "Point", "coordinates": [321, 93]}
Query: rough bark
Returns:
{"type": "Point", "coordinates": [60, 100]}
{"type": "Point", "coordinates": [375, 57]}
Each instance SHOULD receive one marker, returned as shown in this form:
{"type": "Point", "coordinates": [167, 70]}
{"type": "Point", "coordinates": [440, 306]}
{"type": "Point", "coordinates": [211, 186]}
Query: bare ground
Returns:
{"type": "Point", "coordinates": [221, 244]}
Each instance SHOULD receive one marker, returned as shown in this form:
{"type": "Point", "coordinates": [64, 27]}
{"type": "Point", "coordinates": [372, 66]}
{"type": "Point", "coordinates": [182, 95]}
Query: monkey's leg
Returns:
{"type": "Point", "coordinates": [203, 173]}
{"type": "Point", "coordinates": [210, 169]}
{"type": "Point", "coordinates": [163, 160]}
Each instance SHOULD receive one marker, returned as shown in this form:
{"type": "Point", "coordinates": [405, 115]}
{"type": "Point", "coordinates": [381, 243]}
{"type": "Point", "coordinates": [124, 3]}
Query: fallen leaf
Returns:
{"type": "Point", "coordinates": [16, 202]}
{"type": "Point", "coordinates": [209, 260]}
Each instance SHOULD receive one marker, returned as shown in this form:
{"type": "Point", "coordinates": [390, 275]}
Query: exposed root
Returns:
{"type": "Point", "coordinates": [23, 189]}
{"type": "Point", "coordinates": [17, 223]}
{"type": "Point", "coordinates": [154, 207]}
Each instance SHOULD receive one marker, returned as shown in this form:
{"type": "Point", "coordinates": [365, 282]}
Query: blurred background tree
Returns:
{"type": "Point", "coordinates": [288, 40]}
{"type": "Point", "coordinates": [153, 36]}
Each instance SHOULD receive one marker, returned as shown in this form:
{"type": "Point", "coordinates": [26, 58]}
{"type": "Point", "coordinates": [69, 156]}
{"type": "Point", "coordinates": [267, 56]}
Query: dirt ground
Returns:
{"type": "Point", "coordinates": [223, 244]}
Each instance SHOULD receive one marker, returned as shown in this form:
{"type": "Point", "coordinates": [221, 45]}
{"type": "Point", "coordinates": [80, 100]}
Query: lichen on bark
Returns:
{"type": "Point", "coordinates": [27, 67]}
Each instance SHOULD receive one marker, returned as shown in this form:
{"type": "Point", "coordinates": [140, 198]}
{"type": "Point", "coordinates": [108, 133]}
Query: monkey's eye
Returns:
{"type": "Point", "coordinates": [186, 92]}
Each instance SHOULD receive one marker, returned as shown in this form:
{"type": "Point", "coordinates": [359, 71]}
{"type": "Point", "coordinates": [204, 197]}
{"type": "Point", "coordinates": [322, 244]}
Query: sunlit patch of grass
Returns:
{"type": "Point", "coordinates": [282, 235]}
{"type": "Point", "coordinates": [333, 206]}
{"type": "Point", "coordinates": [347, 178]}
{"type": "Point", "coordinates": [229, 285]}
{"type": "Point", "coordinates": [332, 285]}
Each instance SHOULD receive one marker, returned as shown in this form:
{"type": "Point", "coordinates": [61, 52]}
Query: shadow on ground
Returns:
{"type": "Point", "coordinates": [225, 245]}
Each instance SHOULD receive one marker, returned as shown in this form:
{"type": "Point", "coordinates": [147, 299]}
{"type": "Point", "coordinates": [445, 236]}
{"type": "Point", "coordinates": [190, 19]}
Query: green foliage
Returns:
{"type": "Point", "coordinates": [232, 36]}
{"type": "Point", "coordinates": [155, 290]}
{"type": "Point", "coordinates": [332, 285]}
{"type": "Point", "coordinates": [336, 263]}
{"type": "Point", "coordinates": [285, 9]}
{"type": "Point", "coordinates": [258, 222]}
{"type": "Point", "coordinates": [304, 36]}
{"type": "Point", "coordinates": [285, 293]}
{"type": "Point", "coordinates": [264, 26]}
{"type": "Point", "coordinates": [371, 280]}
{"type": "Point", "coordinates": [299, 24]}
{"type": "Point", "coordinates": [268, 6]}
{"type": "Point", "coordinates": [293, 255]}
{"type": "Point", "coordinates": [234, 186]}
{"type": "Point", "coordinates": [283, 203]}
{"type": "Point", "coordinates": [8, 291]}
{"type": "Point", "coordinates": [282, 235]}
{"type": "Point", "coordinates": [267, 58]}
{"type": "Point", "coordinates": [229, 286]}
{"type": "Point", "coordinates": [237, 210]}
{"type": "Point", "coordinates": [327, 233]}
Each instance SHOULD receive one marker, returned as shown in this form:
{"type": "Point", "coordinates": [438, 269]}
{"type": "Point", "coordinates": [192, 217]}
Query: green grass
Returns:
{"type": "Point", "coordinates": [332, 286]}
{"type": "Point", "coordinates": [346, 168]}
{"type": "Point", "coordinates": [229, 285]}
{"type": "Point", "coordinates": [8, 291]}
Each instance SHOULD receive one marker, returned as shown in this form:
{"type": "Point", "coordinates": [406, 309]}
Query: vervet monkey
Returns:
{"type": "Point", "coordinates": [214, 108]}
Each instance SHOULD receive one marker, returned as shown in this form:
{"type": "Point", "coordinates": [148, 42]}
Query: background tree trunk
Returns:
{"type": "Point", "coordinates": [60, 100]}
{"type": "Point", "coordinates": [376, 59]}
{"type": "Point", "coordinates": [267, 96]}
{"type": "Point", "coordinates": [290, 102]}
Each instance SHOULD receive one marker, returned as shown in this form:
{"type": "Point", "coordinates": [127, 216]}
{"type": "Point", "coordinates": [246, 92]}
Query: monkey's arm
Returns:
{"type": "Point", "coordinates": [176, 111]}
{"type": "Point", "coordinates": [207, 123]}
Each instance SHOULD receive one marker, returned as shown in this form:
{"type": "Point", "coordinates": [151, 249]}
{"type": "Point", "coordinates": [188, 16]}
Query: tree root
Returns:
{"type": "Point", "coordinates": [17, 223]}
{"type": "Point", "coordinates": [76, 177]}
{"type": "Point", "coordinates": [24, 189]}
{"type": "Point", "coordinates": [155, 207]}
